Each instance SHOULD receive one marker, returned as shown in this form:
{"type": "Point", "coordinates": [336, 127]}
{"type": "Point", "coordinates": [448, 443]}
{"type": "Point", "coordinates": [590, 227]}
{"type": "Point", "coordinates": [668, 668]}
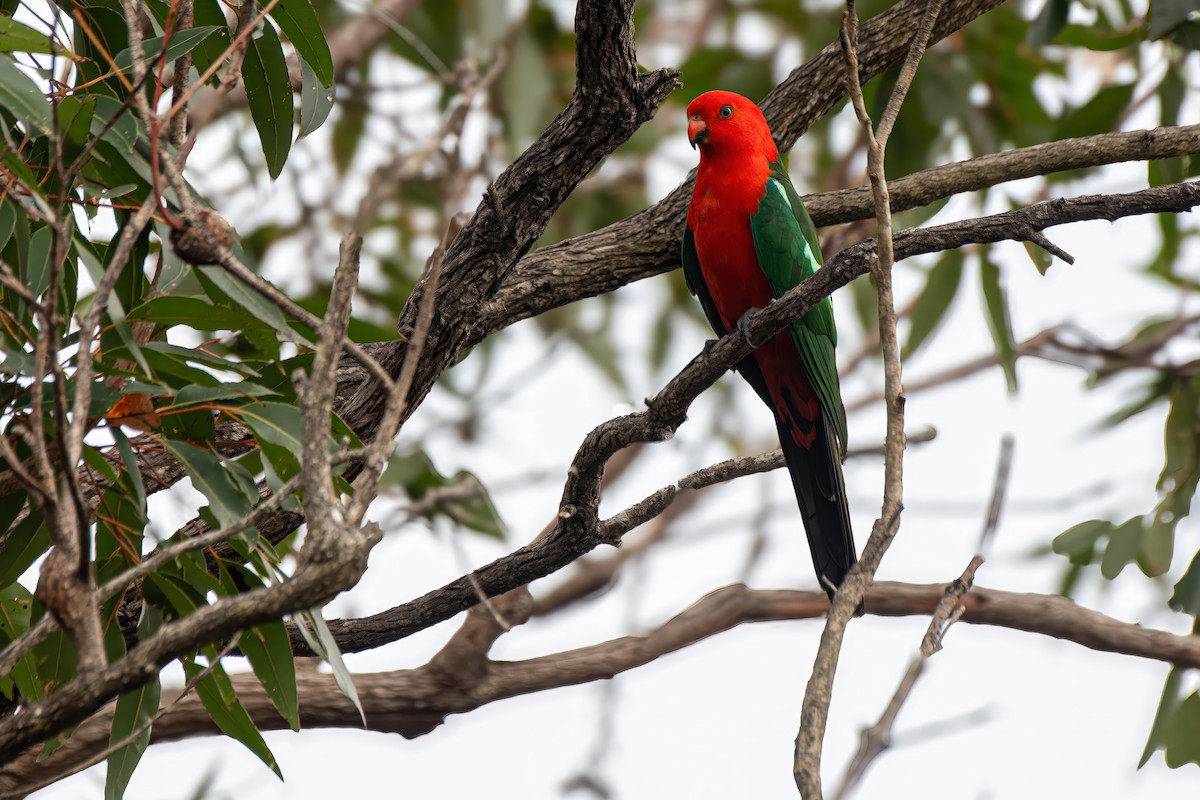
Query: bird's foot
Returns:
{"type": "Point", "coordinates": [743, 327]}
{"type": "Point", "coordinates": [708, 346]}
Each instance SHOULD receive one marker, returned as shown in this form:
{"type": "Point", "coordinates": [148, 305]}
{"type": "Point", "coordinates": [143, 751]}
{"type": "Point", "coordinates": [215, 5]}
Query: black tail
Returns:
{"type": "Point", "coordinates": [821, 493]}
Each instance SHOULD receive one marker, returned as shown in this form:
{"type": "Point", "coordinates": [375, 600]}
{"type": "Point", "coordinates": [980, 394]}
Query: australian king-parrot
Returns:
{"type": "Point", "coordinates": [748, 240]}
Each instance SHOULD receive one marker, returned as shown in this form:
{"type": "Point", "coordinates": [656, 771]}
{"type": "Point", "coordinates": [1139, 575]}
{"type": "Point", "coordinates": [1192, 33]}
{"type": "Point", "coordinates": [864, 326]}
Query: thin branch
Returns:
{"type": "Point", "coordinates": [878, 738]}
{"type": "Point", "coordinates": [819, 692]}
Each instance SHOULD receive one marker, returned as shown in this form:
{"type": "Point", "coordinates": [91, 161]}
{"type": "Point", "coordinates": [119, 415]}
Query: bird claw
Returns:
{"type": "Point", "coordinates": [708, 346]}
{"type": "Point", "coordinates": [743, 327]}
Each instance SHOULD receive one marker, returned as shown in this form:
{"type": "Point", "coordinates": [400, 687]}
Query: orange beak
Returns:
{"type": "Point", "coordinates": [697, 132]}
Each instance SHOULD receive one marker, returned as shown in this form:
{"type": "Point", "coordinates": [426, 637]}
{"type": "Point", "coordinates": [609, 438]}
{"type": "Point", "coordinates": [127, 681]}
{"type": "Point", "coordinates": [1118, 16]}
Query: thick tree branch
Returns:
{"type": "Point", "coordinates": [648, 243]}
{"type": "Point", "coordinates": [611, 100]}
{"type": "Point", "coordinates": [416, 701]}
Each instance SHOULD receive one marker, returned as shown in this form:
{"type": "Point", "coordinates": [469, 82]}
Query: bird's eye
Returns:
{"type": "Point", "coordinates": [726, 112]}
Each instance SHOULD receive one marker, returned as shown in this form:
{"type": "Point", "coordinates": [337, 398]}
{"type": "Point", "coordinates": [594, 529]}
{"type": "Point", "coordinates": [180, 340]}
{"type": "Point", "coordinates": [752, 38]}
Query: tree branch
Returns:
{"type": "Point", "coordinates": [667, 409]}
{"type": "Point", "coordinates": [647, 243]}
{"type": "Point", "coordinates": [416, 701]}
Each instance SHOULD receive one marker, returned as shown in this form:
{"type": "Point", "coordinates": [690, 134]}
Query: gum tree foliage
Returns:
{"type": "Point", "coordinates": [183, 350]}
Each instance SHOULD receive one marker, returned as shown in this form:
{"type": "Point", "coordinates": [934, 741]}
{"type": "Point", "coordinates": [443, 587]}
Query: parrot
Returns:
{"type": "Point", "coordinates": [749, 239]}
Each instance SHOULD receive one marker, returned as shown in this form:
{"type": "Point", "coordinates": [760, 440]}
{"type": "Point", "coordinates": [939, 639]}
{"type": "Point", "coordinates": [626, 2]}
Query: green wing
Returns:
{"type": "Point", "coordinates": [785, 241]}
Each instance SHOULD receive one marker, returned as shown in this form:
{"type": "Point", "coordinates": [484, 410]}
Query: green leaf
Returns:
{"type": "Point", "coordinates": [275, 423]}
{"type": "Point", "coordinates": [182, 43]}
{"type": "Point", "coordinates": [225, 496]}
{"type": "Point", "coordinates": [37, 271]}
{"type": "Point", "coordinates": [56, 659]}
{"type": "Point", "coordinates": [1041, 259]}
{"type": "Point", "coordinates": [125, 130]}
{"type": "Point", "coordinates": [133, 710]}
{"type": "Point", "coordinates": [1186, 35]}
{"type": "Point", "coordinates": [998, 319]}
{"type": "Point", "coordinates": [1048, 23]}
{"type": "Point", "coordinates": [471, 507]}
{"type": "Point", "coordinates": [241, 295]}
{"type": "Point", "coordinates": [269, 95]}
{"type": "Point", "coordinates": [18, 38]}
{"type": "Point", "coordinates": [16, 603]}
{"type": "Point", "coordinates": [1187, 592]}
{"type": "Point", "coordinates": [299, 23]}
{"type": "Point", "coordinates": [1166, 15]}
{"type": "Point", "coordinates": [196, 395]}
{"type": "Point", "coordinates": [1183, 733]}
{"type": "Point", "coordinates": [191, 311]}
{"type": "Point", "coordinates": [1078, 543]}
{"type": "Point", "coordinates": [316, 101]}
{"type": "Point", "coordinates": [25, 544]}
{"type": "Point", "coordinates": [1158, 545]}
{"type": "Point", "coordinates": [219, 699]}
{"type": "Point", "coordinates": [1157, 739]}
{"type": "Point", "coordinates": [21, 97]}
{"type": "Point", "coordinates": [270, 655]}
{"type": "Point", "coordinates": [327, 647]}
{"type": "Point", "coordinates": [1124, 543]}
{"type": "Point", "coordinates": [930, 308]}
{"type": "Point", "coordinates": [75, 118]}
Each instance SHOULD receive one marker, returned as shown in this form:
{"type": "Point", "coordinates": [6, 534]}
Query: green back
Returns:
{"type": "Point", "coordinates": [785, 241]}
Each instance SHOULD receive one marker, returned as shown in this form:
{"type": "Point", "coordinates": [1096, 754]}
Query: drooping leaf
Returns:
{"type": "Point", "coordinates": [25, 544]}
{"type": "Point", "coordinates": [940, 289]}
{"type": "Point", "coordinates": [1186, 597]}
{"type": "Point", "coordinates": [217, 694]}
{"type": "Point", "coordinates": [269, 95]}
{"type": "Point", "coordinates": [1124, 543]}
{"type": "Point", "coordinates": [1157, 739]}
{"type": "Point", "coordinates": [270, 654]}
{"type": "Point", "coordinates": [996, 305]}
{"type": "Point", "coordinates": [327, 647]}
{"type": "Point", "coordinates": [16, 604]}
{"type": "Point", "coordinates": [226, 497]}
{"type": "Point", "coordinates": [21, 97]}
{"type": "Point", "coordinates": [134, 709]}
{"type": "Point", "coordinates": [469, 504]}
{"type": "Point", "coordinates": [223, 287]}
{"type": "Point", "coordinates": [1183, 733]}
{"type": "Point", "coordinates": [1078, 543]}
{"type": "Point", "coordinates": [298, 21]}
{"type": "Point", "coordinates": [316, 100]}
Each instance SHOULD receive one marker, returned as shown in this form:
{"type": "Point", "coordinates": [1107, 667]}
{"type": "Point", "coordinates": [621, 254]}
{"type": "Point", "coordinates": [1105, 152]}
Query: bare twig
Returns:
{"type": "Point", "coordinates": [819, 691]}
{"type": "Point", "coordinates": [878, 738]}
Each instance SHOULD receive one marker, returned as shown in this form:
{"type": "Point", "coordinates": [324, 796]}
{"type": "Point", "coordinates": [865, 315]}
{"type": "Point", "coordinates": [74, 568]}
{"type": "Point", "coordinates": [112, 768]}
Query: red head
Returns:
{"type": "Point", "coordinates": [724, 124]}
